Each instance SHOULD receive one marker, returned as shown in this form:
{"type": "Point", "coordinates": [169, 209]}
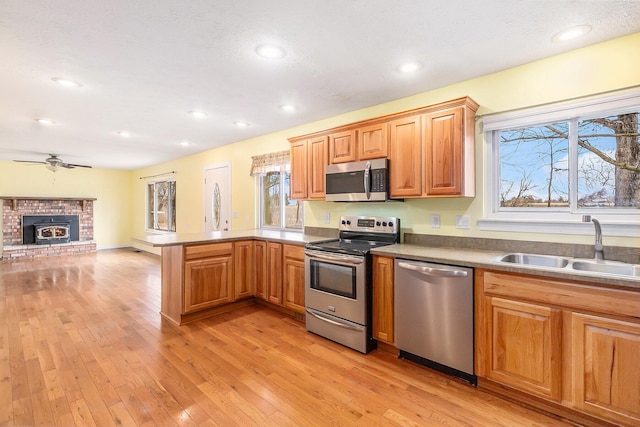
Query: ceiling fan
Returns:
{"type": "Point", "coordinates": [53, 163]}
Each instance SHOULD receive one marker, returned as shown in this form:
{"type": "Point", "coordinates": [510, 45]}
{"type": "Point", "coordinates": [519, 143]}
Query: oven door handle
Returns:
{"type": "Point", "coordinates": [334, 258]}
{"type": "Point", "coordinates": [320, 316]}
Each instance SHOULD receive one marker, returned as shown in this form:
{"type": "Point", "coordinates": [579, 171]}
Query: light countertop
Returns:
{"type": "Point", "coordinates": [176, 239]}
{"type": "Point", "coordinates": [487, 259]}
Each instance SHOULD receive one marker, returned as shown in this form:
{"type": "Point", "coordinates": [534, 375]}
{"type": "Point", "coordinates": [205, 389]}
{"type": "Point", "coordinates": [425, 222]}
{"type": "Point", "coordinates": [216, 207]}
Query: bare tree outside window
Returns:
{"type": "Point", "coordinates": [535, 162]}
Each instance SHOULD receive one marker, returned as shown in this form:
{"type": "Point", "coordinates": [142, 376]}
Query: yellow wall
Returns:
{"type": "Point", "coordinates": [607, 66]}
{"type": "Point", "coordinates": [112, 225]}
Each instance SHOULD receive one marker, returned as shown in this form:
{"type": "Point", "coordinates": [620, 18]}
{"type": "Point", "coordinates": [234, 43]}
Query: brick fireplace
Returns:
{"type": "Point", "coordinates": [24, 216]}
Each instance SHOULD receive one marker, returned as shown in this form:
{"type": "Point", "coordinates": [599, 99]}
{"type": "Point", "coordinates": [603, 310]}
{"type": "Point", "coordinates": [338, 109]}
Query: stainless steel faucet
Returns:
{"type": "Point", "coordinates": [599, 249]}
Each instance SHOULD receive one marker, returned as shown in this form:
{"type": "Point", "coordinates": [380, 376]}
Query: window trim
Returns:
{"type": "Point", "coordinates": [623, 223]}
{"type": "Point", "coordinates": [152, 230]}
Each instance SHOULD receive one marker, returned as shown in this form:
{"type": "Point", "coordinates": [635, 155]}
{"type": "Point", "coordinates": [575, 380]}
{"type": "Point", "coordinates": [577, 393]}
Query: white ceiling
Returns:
{"type": "Point", "coordinates": [144, 64]}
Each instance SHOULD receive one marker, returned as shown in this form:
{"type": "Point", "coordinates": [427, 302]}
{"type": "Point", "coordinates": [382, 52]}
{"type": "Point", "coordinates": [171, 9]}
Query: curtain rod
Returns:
{"type": "Point", "coordinates": [160, 174]}
{"type": "Point", "coordinates": [544, 104]}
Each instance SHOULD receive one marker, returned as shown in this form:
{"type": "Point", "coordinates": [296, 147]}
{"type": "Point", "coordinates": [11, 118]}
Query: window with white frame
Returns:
{"type": "Point", "coordinates": [561, 161]}
{"type": "Point", "coordinates": [161, 205]}
{"type": "Point", "coordinates": [276, 210]}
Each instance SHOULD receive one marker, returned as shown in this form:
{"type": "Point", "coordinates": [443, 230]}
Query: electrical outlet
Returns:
{"type": "Point", "coordinates": [235, 214]}
{"type": "Point", "coordinates": [462, 221]}
{"type": "Point", "coordinates": [327, 217]}
{"type": "Point", "coordinates": [435, 221]}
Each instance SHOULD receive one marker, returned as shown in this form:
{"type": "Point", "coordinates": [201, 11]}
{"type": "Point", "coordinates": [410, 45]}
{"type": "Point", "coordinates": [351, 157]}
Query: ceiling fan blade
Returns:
{"type": "Point", "coordinates": [71, 165]}
{"type": "Point", "coordinates": [31, 161]}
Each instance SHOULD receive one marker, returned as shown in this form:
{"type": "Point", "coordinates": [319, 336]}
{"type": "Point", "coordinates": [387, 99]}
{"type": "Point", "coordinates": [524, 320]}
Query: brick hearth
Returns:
{"type": "Point", "coordinates": [14, 207]}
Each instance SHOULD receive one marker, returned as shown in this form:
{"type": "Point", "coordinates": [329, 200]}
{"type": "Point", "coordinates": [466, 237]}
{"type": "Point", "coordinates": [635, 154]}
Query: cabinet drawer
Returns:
{"type": "Point", "coordinates": [557, 292]}
{"type": "Point", "coordinates": [207, 251]}
{"type": "Point", "coordinates": [296, 252]}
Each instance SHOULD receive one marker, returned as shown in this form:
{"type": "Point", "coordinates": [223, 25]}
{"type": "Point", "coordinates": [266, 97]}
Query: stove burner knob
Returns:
{"type": "Point", "coordinates": [348, 222]}
{"type": "Point", "coordinates": [384, 223]}
{"type": "Point", "coordinates": [343, 222]}
{"type": "Point", "coordinates": [378, 223]}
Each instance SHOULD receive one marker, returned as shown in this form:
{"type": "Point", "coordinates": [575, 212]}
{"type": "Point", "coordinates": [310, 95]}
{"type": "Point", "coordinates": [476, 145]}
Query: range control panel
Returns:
{"type": "Point", "coordinates": [376, 224]}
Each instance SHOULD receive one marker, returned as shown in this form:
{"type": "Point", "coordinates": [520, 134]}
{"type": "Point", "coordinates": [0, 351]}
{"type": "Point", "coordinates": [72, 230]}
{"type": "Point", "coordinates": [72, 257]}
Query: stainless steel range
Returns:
{"type": "Point", "coordinates": [338, 280]}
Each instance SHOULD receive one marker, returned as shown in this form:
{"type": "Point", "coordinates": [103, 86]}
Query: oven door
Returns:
{"type": "Point", "coordinates": [335, 284]}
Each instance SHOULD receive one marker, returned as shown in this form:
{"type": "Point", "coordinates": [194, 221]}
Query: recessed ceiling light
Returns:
{"type": "Point", "coordinates": [287, 107]}
{"type": "Point", "coordinates": [270, 51]}
{"type": "Point", "coordinates": [124, 133]}
{"type": "Point", "coordinates": [66, 82]}
{"type": "Point", "coordinates": [241, 124]}
{"type": "Point", "coordinates": [571, 33]}
{"type": "Point", "coordinates": [185, 143]}
{"type": "Point", "coordinates": [199, 114]}
{"type": "Point", "coordinates": [46, 121]}
{"type": "Point", "coordinates": [409, 67]}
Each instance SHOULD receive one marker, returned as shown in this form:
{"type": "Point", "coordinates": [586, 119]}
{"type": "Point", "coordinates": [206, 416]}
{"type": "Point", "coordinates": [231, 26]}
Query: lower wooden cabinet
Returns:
{"type": "Point", "coordinates": [243, 265]}
{"type": "Point", "coordinates": [383, 300]}
{"type": "Point", "coordinates": [576, 345]}
{"type": "Point", "coordinates": [260, 268]}
{"type": "Point", "coordinates": [293, 277]}
{"type": "Point", "coordinates": [274, 272]}
{"type": "Point", "coordinates": [606, 368]}
{"type": "Point", "coordinates": [525, 346]}
{"type": "Point", "coordinates": [208, 276]}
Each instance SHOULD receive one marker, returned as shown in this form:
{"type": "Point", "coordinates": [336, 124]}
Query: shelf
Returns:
{"type": "Point", "coordinates": [14, 200]}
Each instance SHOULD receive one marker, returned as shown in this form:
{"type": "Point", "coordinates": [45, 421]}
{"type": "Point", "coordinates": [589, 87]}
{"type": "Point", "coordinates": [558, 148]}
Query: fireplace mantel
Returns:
{"type": "Point", "coordinates": [14, 200]}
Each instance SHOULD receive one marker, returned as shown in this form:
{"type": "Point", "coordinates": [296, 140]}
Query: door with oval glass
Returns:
{"type": "Point", "coordinates": [217, 197]}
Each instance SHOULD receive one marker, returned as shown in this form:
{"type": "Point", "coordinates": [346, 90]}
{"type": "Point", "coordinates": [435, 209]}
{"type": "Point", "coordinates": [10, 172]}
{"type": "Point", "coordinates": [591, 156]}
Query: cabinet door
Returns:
{"type": "Point", "coordinates": [342, 147]}
{"type": "Point", "coordinates": [383, 316]}
{"type": "Point", "coordinates": [443, 161]}
{"type": "Point", "coordinates": [274, 273]}
{"type": "Point", "coordinates": [606, 368]}
{"type": "Point", "coordinates": [207, 282]}
{"type": "Point", "coordinates": [293, 280]}
{"type": "Point", "coordinates": [260, 269]}
{"type": "Point", "coordinates": [243, 269]}
{"type": "Point", "coordinates": [317, 151]}
{"type": "Point", "coordinates": [373, 141]}
{"type": "Point", "coordinates": [525, 346]}
{"type": "Point", "coordinates": [298, 181]}
{"type": "Point", "coordinates": [405, 170]}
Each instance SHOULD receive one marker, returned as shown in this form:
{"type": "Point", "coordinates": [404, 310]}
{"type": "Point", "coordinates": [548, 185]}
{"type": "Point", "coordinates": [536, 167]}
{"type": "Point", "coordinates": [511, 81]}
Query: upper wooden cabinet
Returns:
{"type": "Point", "coordinates": [431, 151]}
{"type": "Point", "coordinates": [342, 147]}
{"type": "Point", "coordinates": [309, 157]}
{"type": "Point", "coordinates": [373, 141]}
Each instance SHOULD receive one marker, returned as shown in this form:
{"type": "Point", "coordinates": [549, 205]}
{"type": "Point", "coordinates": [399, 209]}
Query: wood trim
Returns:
{"type": "Point", "coordinates": [458, 102]}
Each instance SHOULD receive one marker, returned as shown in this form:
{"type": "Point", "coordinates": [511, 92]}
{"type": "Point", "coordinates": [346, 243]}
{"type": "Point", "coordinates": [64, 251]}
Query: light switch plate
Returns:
{"type": "Point", "coordinates": [435, 221]}
{"type": "Point", "coordinates": [462, 221]}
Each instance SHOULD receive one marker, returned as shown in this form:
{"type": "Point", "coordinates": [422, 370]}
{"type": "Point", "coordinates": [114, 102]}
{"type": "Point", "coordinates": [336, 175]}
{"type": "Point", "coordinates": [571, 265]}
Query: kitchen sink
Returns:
{"type": "Point", "coordinates": [607, 267]}
{"type": "Point", "coordinates": [568, 263]}
{"type": "Point", "coordinates": [535, 260]}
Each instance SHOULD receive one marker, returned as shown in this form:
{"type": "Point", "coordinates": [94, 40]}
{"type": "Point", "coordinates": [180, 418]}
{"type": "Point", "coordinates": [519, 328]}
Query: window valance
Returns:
{"type": "Point", "coordinates": [271, 162]}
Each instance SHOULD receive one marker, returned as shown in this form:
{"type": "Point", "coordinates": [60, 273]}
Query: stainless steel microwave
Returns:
{"type": "Point", "coordinates": [366, 181]}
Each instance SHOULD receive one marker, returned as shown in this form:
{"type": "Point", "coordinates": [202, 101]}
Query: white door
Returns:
{"type": "Point", "coordinates": [217, 197]}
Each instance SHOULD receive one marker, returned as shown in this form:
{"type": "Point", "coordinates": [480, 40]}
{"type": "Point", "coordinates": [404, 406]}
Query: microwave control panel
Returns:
{"type": "Point", "coordinates": [378, 180]}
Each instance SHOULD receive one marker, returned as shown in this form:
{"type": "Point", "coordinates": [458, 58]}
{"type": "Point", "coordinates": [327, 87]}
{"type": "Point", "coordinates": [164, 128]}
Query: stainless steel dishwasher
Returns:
{"type": "Point", "coordinates": [434, 316]}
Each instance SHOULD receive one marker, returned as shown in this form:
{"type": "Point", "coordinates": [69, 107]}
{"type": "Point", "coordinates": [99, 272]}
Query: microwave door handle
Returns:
{"type": "Point", "coordinates": [367, 174]}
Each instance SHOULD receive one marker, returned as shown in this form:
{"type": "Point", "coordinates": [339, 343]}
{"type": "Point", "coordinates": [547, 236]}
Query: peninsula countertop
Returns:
{"type": "Point", "coordinates": [177, 239]}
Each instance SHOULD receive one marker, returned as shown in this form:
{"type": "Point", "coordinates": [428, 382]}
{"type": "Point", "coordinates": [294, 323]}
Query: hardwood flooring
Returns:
{"type": "Point", "coordinates": [82, 343]}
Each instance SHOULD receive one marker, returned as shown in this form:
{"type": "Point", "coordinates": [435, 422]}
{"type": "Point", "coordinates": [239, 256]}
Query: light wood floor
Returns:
{"type": "Point", "coordinates": [82, 343]}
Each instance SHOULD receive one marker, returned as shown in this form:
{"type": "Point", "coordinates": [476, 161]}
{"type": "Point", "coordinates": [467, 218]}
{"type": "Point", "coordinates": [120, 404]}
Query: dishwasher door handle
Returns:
{"type": "Point", "coordinates": [432, 271]}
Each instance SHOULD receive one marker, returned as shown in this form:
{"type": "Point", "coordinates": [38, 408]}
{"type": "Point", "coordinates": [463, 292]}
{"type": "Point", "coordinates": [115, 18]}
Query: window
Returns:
{"type": "Point", "coordinates": [161, 205]}
{"type": "Point", "coordinates": [562, 161]}
{"type": "Point", "coordinates": [277, 210]}
{"type": "Point", "coordinates": [275, 207]}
